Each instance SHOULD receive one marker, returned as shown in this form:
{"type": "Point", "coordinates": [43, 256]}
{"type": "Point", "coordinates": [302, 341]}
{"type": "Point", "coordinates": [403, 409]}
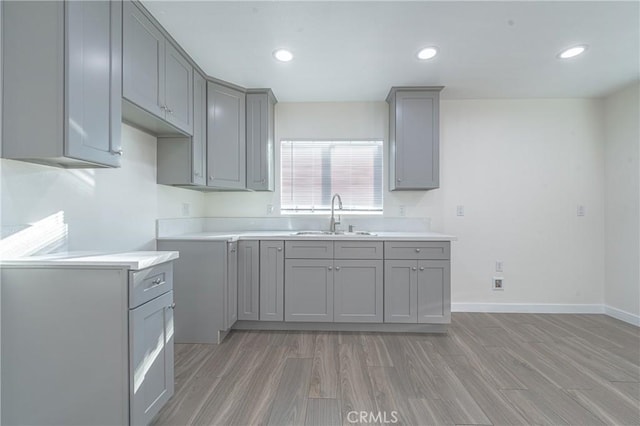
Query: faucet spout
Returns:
{"type": "Point", "coordinates": [333, 222]}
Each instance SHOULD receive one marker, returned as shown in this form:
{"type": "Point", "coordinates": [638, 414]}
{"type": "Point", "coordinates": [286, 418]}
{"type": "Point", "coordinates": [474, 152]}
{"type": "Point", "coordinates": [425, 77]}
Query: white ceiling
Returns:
{"type": "Point", "coordinates": [355, 51]}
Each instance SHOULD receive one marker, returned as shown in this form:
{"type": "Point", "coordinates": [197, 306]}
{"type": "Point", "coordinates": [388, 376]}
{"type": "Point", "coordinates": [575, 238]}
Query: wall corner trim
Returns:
{"type": "Point", "coordinates": [625, 316]}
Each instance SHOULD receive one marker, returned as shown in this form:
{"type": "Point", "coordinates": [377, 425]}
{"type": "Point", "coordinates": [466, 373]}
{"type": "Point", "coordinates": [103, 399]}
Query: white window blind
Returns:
{"type": "Point", "coordinates": [312, 171]}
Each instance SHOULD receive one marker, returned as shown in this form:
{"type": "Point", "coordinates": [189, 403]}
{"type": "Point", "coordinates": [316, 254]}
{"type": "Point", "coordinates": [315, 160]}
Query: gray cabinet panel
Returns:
{"type": "Point", "coordinates": [226, 142]}
{"type": "Point", "coordinates": [143, 61]}
{"type": "Point", "coordinates": [271, 281]}
{"type": "Point", "coordinates": [248, 280]}
{"type": "Point", "coordinates": [93, 81]}
{"type": "Point", "coordinates": [231, 307]}
{"type": "Point", "coordinates": [308, 290]}
{"type": "Point", "coordinates": [151, 369]}
{"type": "Point", "coordinates": [417, 250]}
{"type": "Point", "coordinates": [147, 284]}
{"type": "Point", "coordinates": [358, 249]}
{"type": "Point", "coordinates": [61, 64]}
{"type": "Point", "coordinates": [434, 291]}
{"type": "Point", "coordinates": [358, 291]}
{"type": "Point", "coordinates": [305, 249]}
{"type": "Point", "coordinates": [400, 291]}
{"type": "Point", "coordinates": [178, 89]}
{"type": "Point", "coordinates": [199, 140]}
{"type": "Point", "coordinates": [260, 141]}
{"type": "Point", "coordinates": [414, 138]}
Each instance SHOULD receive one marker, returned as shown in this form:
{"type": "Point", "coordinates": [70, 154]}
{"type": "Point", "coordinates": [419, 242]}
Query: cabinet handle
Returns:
{"type": "Point", "coordinates": [197, 174]}
{"type": "Point", "coordinates": [337, 268]}
{"type": "Point", "coordinates": [330, 268]}
{"type": "Point", "coordinates": [233, 250]}
{"type": "Point", "coordinates": [117, 152]}
{"type": "Point", "coordinates": [172, 306]}
{"type": "Point", "coordinates": [417, 250]}
{"type": "Point", "coordinates": [210, 177]}
{"type": "Point", "coordinates": [414, 268]}
{"type": "Point", "coordinates": [163, 107]}
{"type": "Point", "coordinates": [279, 248]}
{"type": "Point", "coordinates": [422, 268]}
{"type": "Point", "coordinates": [399, 180]}
{"type": "Point", "coordinates": [170, 111]}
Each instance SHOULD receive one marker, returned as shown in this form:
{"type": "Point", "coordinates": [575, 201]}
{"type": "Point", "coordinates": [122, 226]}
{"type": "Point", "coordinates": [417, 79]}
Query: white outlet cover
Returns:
{"type": "Point", "coordinates": [459, 210]}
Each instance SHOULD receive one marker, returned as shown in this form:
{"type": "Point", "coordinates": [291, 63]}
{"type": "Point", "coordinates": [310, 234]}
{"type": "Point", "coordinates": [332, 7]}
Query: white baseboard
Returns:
{"type": "Point", "coordinates": [547, 308]}
{"type": "Point", "coordinates": [528, 308]}
{"type": "Point", "coordinates": [622, 315]}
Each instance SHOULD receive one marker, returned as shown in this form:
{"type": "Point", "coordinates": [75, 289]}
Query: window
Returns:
{"type": "Point", "coordinates": [312, 171]}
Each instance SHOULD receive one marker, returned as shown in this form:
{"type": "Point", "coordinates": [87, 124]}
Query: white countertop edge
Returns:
{"type": "Point", "coordinates": [289, 235]}
{"type": "Point", "coordinates": [135, 260]}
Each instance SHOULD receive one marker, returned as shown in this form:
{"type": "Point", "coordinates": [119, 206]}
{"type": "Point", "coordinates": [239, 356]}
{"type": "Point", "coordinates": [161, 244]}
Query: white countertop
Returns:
{"type": "Point", "coordinates": [134, 260]}
{"type": "Point", "coordinates": [291, 235]}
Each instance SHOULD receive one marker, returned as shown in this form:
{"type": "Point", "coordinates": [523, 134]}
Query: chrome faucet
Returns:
{"type": "Point", "coordinates": [333, 222]}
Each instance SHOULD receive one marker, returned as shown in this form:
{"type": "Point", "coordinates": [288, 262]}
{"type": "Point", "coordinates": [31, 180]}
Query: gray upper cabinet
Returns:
{"type": "Point", "coordinates": [248, 280]}
{"type": "Point", "coordinates": [414, 138]}
{"type": "Point", "coordinates": [182, 159]}
{"type": "Point", "coordinates": [226, 142]}
{"type": "Point", "coordinates": [260, 140]}
{"type": "Point", "coordinates": [61, 64]}
{"type": "Point", "coordinates": [157, 79]}
{"type": "Point", "coordinates": [271, 280]}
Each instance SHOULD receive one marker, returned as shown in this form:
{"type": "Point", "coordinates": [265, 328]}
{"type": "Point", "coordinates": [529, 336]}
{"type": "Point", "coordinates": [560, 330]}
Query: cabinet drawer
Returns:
{"type": "Point", "coordinates": [308, 249]}
{"type": "Point", "coordinates": [149, 283]}
{"type": "Point", "coordinates": [419, 250]}
{"type": "Point", "coordinates": [358, 249]}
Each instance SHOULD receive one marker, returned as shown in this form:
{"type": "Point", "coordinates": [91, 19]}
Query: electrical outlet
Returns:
{"type": "Point", "coordinates": [581, 210]}
{"type": "Point", "coordinates": [269, 209]}
{"type": "Point", "coordinates": [459, 210]}
{"type": "Point", "coordinates": [499, 265]}
{"type": "Point", "coordinates": [403, 211]}
{"type": "Point", "coordinates": [186, 209]}
{"type": "Point", "coordinates": [498, 283]}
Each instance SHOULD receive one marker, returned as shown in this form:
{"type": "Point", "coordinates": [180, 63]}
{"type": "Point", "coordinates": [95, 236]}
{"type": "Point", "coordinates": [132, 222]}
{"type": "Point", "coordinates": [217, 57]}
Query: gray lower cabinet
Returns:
{"type": "Point", "coordinates": [86, 346]}
{"type": "Point", "coordinates": [260, 140]}
{"type": "Point", "coordinates": [200, 290]}
{"type": "Point", "coordinates": [182, 160]}
{"type": "Point", "coordinates": [308, 290]}
{"type": "Point", "coordinates": [157, 78]}
{"type": "Point", "coordinates": [248, 280]}
{"type": "Point", "coordinates": [434, 291]}
{"type": "Point", "coordinates": [414, 134]}
{"type": "Point", "coordinates": [358, 291]}
{"type": "Point", "coordinates": [271, 281]}
{"type": "Point", "coordinates": [231, 307]}
{"type": "Point", "coordinates": [226, 141]}
{"type": "Point", "coordinates": [61, 64]}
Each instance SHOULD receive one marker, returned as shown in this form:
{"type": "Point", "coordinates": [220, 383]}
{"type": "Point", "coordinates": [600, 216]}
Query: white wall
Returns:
{"type": "Point", "coordinates": [106, 209]}
{"type": "Point", "coordinates": [622, 213]}
{"type": "Point", "coordinates": [520, 168]}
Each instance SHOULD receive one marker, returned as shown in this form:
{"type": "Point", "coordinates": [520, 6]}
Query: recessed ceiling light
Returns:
{"type": "Point", "coordinates": [572, 52]}
{"type": "Point", "coordinates": [427, 53]}
{"type": "Point", "coordinates": [283, 55]}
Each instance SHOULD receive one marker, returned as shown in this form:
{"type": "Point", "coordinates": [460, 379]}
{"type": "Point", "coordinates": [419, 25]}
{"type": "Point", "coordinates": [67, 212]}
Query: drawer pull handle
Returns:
{"type": "Point", "coordinates": [414, 268]}
{"type": "Point", "coordinates": [417, 250]}
{"type": "Point", "coordinates": [155, 283]}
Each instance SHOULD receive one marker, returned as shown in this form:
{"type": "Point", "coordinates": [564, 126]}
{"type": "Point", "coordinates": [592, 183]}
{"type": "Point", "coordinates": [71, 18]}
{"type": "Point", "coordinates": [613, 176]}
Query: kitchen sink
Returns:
{"type": "Point", "coordinates": [337, 233]}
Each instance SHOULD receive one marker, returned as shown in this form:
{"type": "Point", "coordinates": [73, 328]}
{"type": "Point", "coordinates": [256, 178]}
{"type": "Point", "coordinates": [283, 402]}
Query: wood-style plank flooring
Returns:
{"type": "Point", "coordinates": [489, 369]}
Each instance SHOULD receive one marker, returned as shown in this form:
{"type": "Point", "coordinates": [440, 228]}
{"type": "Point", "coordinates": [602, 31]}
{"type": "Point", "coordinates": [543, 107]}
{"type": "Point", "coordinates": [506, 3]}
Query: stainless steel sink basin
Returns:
{"type": "Point", "coordinates": [337, 233]}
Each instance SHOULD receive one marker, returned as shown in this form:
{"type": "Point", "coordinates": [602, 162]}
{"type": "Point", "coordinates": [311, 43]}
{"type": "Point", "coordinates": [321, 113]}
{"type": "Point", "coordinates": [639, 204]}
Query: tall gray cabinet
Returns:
{"type": "Point", "coordinates": [271, 281]}
{"type": "Point", "coordinates": [226, 142]}
{"type": "Point", "coordinates": [414, 138]}
{"type": "Point", "coordinates": [157, 78]}
{"type": "Point", "coordinates": [61, 67]}
{"type": "Point", "coordinates": [260, 139]}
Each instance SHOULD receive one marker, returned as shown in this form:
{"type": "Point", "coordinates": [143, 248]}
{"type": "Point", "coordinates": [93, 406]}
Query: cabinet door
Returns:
{"type": "Point", "coordinates": [400, 291]}
{"type": "Point", "coordinates": [248, 271]}
{"type": "Point", "coordinates": [151, 358]}
{"type": "Point", "coordinates": [260, 149]}
{"type": "Point", "coordinates": [232, 285]}
{"type": "Point", "coordinates": [93, 81]}
{"type": "Point", "coordinates": [143, 61]}
{"type": "Point", "coordinates": [434, 291]}
{"type": "Point", "coordinates": [358, 293]}
{"type": "Point", "coordinates": [226, 145]}
{"type": "Point", "coordinates": [271, 280]}
{"type": "Point", "coordinates": [178, 89]}
{"type": "Point", "coordinates": [199, 140]}
{"type": "Point", "coordinates": [308, 290]}
{"type": "Point", "coordinates": [416, 140]}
